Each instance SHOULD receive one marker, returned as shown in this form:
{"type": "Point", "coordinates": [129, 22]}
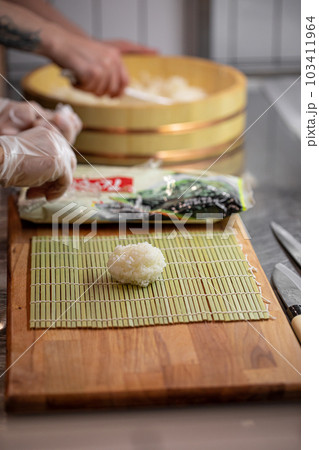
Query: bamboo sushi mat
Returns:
{"type": "Point", "coordinates": [205, 279]}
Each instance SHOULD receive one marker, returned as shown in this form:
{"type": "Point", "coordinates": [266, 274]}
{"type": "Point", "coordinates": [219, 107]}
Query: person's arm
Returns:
{"type": "Point", "coordinates": [48, 12]}
{"type": "Point", "coordinates": [21, 29]}
{"type": "Point", "coordinates": [97, 67]}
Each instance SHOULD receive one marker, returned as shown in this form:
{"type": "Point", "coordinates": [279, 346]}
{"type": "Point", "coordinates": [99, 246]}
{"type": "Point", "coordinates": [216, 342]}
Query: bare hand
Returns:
{"type": "Point", "coordinates": [98, 67]}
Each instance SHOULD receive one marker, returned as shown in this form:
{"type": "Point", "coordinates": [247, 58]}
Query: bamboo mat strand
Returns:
{"type": "Point", "coordinates": [205, 279]}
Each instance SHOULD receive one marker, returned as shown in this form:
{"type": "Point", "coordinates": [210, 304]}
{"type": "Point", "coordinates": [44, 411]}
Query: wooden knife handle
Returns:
{"type": "Point", "coordinates": [296, 326]}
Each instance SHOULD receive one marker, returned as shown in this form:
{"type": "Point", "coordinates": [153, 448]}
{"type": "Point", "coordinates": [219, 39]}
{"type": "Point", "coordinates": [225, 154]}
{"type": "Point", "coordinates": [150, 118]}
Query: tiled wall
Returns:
{"type": "Point", "coordinates": [254, 34]}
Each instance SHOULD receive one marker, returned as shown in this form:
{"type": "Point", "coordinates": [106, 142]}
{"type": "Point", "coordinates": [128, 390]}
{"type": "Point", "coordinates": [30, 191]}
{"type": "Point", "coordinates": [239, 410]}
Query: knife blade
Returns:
{"type": "Point", "coordinates": [288, 285]}
{"type": "Point", "coordinates": [292, 246]}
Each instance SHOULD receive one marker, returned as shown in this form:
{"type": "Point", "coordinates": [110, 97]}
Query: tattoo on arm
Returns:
{"type": "Point", "coordinates": [13, 36]}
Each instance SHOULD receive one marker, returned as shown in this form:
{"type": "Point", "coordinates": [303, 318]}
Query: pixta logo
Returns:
{"type": "Point", "coordinates": [71, 217]}
{"type": "Point", "coordinates": [158, 222]}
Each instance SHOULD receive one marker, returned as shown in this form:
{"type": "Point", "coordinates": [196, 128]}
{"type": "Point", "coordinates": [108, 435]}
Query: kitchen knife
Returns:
{"type": "Point", "coordinates": [288, 285]}
{"type": "Point", "coordinates": [292, 246]}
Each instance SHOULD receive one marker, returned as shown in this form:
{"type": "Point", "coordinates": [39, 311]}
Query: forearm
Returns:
{"type": "Point", "coordinates": [24, 30]}
{"type": "Point", "coordinates": [49, 13]}
{"type": "Point", "coordinates": [97, 67]}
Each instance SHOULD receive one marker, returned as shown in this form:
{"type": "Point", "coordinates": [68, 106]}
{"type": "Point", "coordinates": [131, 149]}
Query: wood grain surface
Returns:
{"type": "Point", "coordinates": [197, 362]}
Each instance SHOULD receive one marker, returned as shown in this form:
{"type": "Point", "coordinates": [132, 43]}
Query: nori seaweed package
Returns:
{"type": "Point", "coordinates": [180, 194]}
{"type": "Point", "coordinates": [140, 192]}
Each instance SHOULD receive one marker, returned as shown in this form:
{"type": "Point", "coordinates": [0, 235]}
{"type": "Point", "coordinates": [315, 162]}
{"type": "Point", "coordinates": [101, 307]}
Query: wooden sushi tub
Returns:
{"type": "Point", "coordinates": [177, 134]}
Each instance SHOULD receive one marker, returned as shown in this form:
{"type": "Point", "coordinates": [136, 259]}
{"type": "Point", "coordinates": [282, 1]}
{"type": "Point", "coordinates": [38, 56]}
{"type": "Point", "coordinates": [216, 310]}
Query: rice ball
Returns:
{"type": "Point", "coordinates": [139, 264]}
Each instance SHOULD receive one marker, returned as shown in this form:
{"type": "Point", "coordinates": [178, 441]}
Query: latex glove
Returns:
{"type": "Point", "coordinates": [98, 67]}
{"type": "Point", "coordinates": [40, 159]}
{"type": "Point", "coordinates": [19, 116]}
{"type": "Point", "coordinates": [16, 116]}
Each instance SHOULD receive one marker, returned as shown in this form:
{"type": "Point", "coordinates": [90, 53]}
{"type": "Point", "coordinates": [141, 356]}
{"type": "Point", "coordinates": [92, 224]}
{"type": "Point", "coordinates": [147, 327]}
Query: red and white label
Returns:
{"type": "Point", "coordinates": [109, 184]}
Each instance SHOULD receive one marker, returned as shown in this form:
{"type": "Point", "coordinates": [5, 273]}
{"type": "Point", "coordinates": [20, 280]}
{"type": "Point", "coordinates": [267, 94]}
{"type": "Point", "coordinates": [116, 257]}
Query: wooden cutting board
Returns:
{"type": "Point", "coordinates": [183, 363]}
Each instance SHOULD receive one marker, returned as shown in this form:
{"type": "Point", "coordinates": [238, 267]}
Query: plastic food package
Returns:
{"type": "Point", "coordinates": [107, 194]}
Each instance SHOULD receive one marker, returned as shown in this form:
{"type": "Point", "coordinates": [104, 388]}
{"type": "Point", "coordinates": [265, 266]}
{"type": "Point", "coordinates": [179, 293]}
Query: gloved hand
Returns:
{"type": "Point", "coordinates": [20, 116]}
{"type": "Point", "coordinates": [15, 116]}
{"type": "Point", "coordinates": [40, 159]}
{"type": "Point", "coordinates": [64, 118]}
